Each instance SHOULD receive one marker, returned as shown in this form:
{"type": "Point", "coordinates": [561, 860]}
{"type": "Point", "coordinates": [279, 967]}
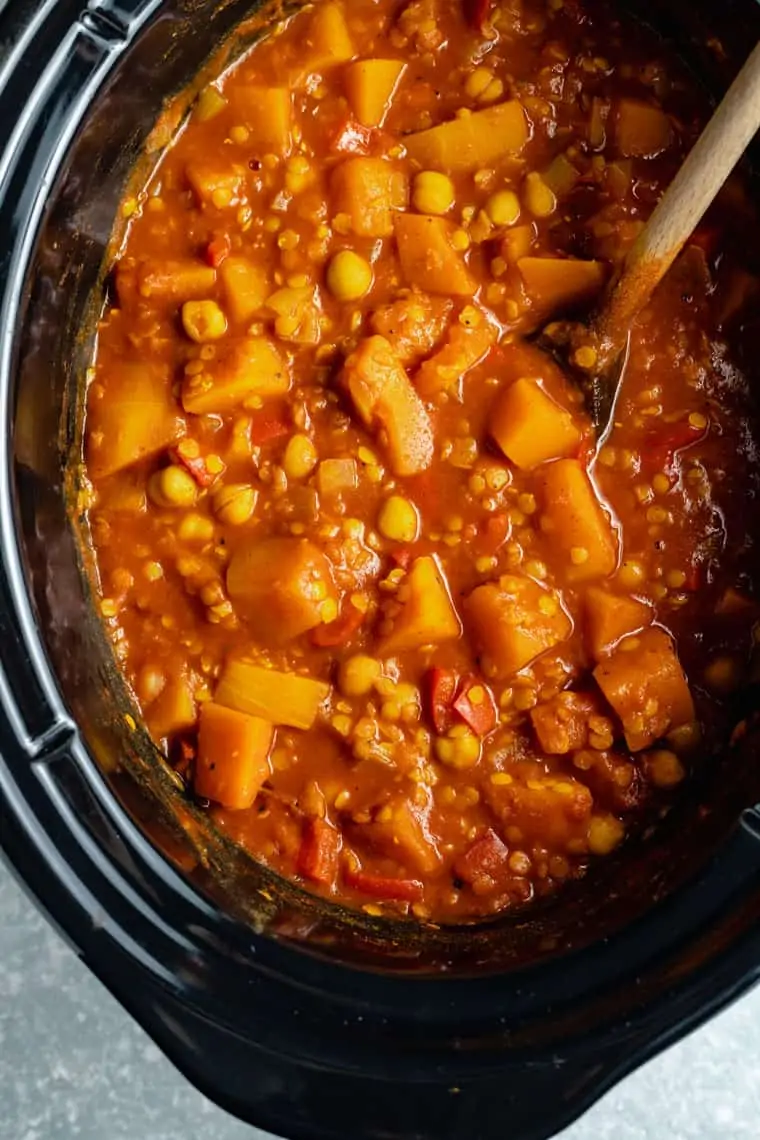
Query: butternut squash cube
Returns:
{"type": "Point", "coordinates": [280, 698]}
{"type": "Point", "coordinates": [573, 519]}
{"type": "Point", "coordinates": [465, 347]}
{"type": "Point", "coordinates": [280, 585]}
{"type": "Point", "coordinates": [609, 617]}
{"type": "Point", "coordinates": [644, 683]}
{"type": "Point", "coordinates": [215, 184]}
{"type": "Point", "coordinates": [267, 112]}
{"type": "Point", "coordinates": [414, 324]}
{"type": "Point", "coordinates": [370, 86]}
{"type": "Point", "coordinates": [517, 241]}
{"type": "Point", "coordinates": [385, 399]}
{"type": "Point", "coordinates": [136, 417]}
{"type": "Point", "coordinates": [170, 281]}
{"type": "Point", "coordinates": [472, 142]}
{"type": "Point", "coordinates": [233, 756]}
{"type": "Point", "coordinates": [561, 724]}
{"type": "Point", "coordinates": [246, 288]}
{"type": "Point", "coordinates": [556, 283]}
{"type": "Point", "coordinates": [239, 370]}
{"type": "Point", "coordinates": [428, 259]}
{"type": "Point", "coordinates": [641, 130]}
{"type": "Point", "coordinates": [530, 427]}
{"type": "Point", "coordinates": [554, 810]}
{"type": "Point", "coordinates": [369, 191]}
{"type": "Point", "coordinates": [427, 616]}
{"type": "Point", "coordinates": [173, 710]}
{"type": "Point", "coordinates": [514, 620]}
{"type": "Point", "coordinates": [327, 40]}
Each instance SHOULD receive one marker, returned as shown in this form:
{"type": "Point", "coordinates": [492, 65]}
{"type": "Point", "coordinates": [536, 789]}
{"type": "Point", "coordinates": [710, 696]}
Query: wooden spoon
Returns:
{"type": "Point", "coordinates": [708, 165]}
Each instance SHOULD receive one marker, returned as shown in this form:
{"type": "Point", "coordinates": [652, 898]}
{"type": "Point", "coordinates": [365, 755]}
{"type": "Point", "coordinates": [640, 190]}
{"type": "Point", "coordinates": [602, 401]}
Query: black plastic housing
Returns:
{"type": "Point", "coordinates": [296, 1016]}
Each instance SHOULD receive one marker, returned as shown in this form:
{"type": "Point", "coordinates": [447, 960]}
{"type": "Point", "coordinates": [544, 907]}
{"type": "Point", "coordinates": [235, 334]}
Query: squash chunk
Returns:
{"type": "Point", "coordinates": [170, 281]}
{"type": "Point", "coordinates": [561, 724]}
{"type": "Point", "coordinates": [555, 283]}
{"type": "Point", "coordinates": [241, 369]}
{"type": "Point", "coordinates": [645, 684]}
{"type": "Point", "coordinates": [472, 142]}
{"type": "Point", "coordinates": [514, 620]}
{"type": "Point", "coordinates": [414, 324]}
{"type": "Point", "coordinates": [280, 698]}
{"type": "Point", "coordinates": [530, 427]}
{"type": "Point", "coordinates": [246, 287]}
{"type": "Point", "coordinates": [369, 191]}
{"type": "Point", "coordinates": [402, 833]}
{"type": "Point", "coordinates": [427, 614]}
{"type": "Point", "coordinates": [281, 585]}
{"type": "Point", "coordinates": [233, 756]}
{"type": "Point", "coordinates": [137, 417]}
{"type": "Point", "coordinates": [327, 40]}
{"type": "Point", "coordinates": [385, 399]}
{"type": "Point", "coordinates": [173, 710]}
{"type": "Point", "coordinates": [610, 617]}
{"type": "Point", "coordinates": [574, 521]}
{"type": "Point", "coordinates": [553, 810]}
{"type": "Point", "coordinates": [215, 185]}
{"type": "Point", "coordinates": [465, 347]}
{"type": "Point", "coordinates": [267, 112]}
{"type": "Point", "coordinates": [641, 130]}
{"type": "Point", "coordinates": [428, 260]}
{"type": "Point", "coordinates": [370, 86]}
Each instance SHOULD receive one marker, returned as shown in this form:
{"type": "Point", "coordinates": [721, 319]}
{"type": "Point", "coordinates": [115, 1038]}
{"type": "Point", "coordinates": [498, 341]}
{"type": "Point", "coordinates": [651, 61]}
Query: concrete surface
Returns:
{"type": "Point", "coordinates": [73, 1066]}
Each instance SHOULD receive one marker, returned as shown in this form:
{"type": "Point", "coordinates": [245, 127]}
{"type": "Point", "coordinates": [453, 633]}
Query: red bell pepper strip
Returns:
{"type": "Point", "coordinates": [340, 631]}
{"type": "Point", "coordinates": [218, 249]}
{"type": "Point", "coordinates": [351, 138]}
{"type": "Point", "coordinates": [187, 453]}
{"type": "Point", "coordinates": [476, 13]}
{"type": "Point", "coordinates": [442, 687]}
{"type": "Point", "coordinates": [494, 534]}
{"type": "Point", "coordinates": [476, 707]}
{"type": "Point", "coordinates": [318, 855]}
{"type": "Point", "coordinates": [383, 887]}
{"type": "Point", "coordinates": [660, 449]}
{"type": "Point", "coordinates": [268, 425]}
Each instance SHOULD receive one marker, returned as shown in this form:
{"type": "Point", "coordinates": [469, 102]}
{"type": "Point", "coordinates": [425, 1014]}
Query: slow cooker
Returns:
{"type": "Point", "coordinates": [303, 1019]}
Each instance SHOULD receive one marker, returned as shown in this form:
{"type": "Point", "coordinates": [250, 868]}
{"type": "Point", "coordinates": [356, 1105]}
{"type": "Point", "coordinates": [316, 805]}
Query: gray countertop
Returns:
{"type": "Point", "coordinates": [74, 1065]}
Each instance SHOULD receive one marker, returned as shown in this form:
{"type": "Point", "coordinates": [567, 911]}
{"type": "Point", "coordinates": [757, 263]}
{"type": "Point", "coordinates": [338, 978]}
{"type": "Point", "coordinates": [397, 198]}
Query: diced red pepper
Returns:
{"type": "Point", "coordinates": [318, 856]}
{"type": "Point", "coordinates": [477, 12]}
{"type": "Point", "coordinates": [693, 578]}
{"type": "Point", "coordinates": [476, 707]}
{"type": "Point", "coordinates": [660, 449]}
{"type": "Point", "coordinates": [188, 454]}
{"type": "Point", "coordinates": [442, 688]}
{"type": "Point", "coordinates": [340, 631]}
{"type": "Point", "coordinates": [485, 863]}
{"type": "Point", "coordinates": [383, 887]}
{"type": "Point", "coordinates": [268, 425]}
{"type": "Point", "coordinates": [352, 138]}
{"type": "Point", "coordinates": [402, 556]}
{"type": "Point", "coordinates": [218, 249]}
{"type": "Point", "coordinates": [494, 534]}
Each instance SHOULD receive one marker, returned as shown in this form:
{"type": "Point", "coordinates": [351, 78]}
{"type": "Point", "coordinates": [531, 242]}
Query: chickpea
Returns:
{"type": "Point", "coordinates": [150, 683]}
{"type": "Point", "coordinates": [433, 193]}
{"type": "Point", "coordinates": [538, 197]}
{"type": "Point", "coordinates": [300, 457]}
{"type": "Point", "coordinates": [172, 487]}
{"type": "Point", "coordinates": [195, 528]}
{"type": "Point", "coordinates": [503, 208]}
{"type": "Point", "coordinates": [358, 674]}
{"type": "Point", "coordinates": [234, 503]}
{"type": "Point", "coordinates": [664, 768]}
{"type": "Point", "coordinates": [605, 832]}
{"type": "Point", "coordinates": [398, 519]}
{"type": "Point", "coordinates": [203, 320]}
{"type": "Point", "coordinates": [349, 276]}
{"type": "Point", "coordinates": [460, 748]}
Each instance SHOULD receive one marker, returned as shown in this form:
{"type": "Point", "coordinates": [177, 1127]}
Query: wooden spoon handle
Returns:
{"type": "Point", "coordinates": [713, 157]}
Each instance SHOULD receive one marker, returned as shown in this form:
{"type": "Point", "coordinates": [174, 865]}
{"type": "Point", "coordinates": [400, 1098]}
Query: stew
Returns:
{"type": "Point", "coordinates": [412, 637]}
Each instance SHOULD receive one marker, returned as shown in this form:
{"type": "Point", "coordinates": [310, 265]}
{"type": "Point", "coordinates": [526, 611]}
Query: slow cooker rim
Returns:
{"type": "Point", "coordinates": [29, 796]}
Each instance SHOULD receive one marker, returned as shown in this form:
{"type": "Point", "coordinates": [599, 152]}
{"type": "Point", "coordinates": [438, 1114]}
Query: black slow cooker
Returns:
{"type": "Point", "coordinates": [296, 1016]}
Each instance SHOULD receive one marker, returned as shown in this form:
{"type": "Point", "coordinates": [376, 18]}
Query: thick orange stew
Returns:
{"type": "Point", "coordinates": [411, 636]}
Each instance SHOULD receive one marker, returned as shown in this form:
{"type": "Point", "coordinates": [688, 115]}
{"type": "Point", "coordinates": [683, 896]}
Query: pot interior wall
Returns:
{"type": "Point", "coordinates": [64, 293]}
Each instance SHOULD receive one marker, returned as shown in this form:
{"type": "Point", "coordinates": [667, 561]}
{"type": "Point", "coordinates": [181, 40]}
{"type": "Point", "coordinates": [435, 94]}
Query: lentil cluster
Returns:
{"type": "Point", "coordinates": [412, 638]}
